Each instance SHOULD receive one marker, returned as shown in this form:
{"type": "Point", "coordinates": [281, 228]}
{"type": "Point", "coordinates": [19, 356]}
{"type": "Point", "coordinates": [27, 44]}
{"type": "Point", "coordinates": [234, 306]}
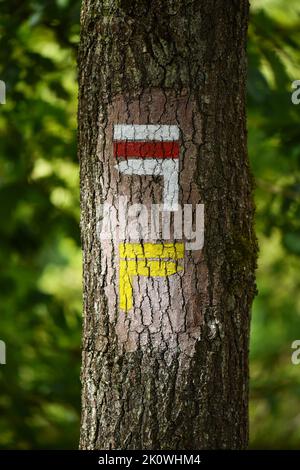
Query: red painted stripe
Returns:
{"type": "Point", "coordinates": [149, 149]}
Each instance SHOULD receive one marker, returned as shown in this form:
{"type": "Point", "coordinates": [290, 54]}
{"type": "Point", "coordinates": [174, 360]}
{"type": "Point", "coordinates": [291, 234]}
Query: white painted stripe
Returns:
{"type": "Point", "coordinates": [168, 168]}
{"type": "Point", "coordinates": [145, 132]}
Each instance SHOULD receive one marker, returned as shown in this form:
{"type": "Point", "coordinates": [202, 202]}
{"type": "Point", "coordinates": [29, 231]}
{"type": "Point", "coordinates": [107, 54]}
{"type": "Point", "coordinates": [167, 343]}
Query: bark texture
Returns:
{"type": "Point", "coordinates": [173, 372]}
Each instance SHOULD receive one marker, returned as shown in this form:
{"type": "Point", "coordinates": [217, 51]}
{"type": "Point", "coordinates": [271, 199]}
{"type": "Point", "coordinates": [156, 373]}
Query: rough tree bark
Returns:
{"type": "Point", "coordinates": [172, 371]}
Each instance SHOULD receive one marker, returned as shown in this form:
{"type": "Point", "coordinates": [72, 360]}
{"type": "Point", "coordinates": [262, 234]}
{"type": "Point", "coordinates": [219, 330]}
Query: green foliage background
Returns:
{"type": "Point", "coordinates": [40, 258]}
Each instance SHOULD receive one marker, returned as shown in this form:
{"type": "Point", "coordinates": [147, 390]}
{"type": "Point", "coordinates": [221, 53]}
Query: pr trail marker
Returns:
{"type": "Point", "coordinates": [148, 259]}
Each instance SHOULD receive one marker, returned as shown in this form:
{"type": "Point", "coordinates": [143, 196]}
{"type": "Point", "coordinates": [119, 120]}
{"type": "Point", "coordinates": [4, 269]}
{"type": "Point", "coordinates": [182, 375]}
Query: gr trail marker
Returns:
{"type": "Point", "coordinates": [150, 150]}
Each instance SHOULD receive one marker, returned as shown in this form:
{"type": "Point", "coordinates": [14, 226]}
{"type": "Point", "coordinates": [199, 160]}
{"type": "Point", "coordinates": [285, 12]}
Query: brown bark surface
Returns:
{"type": "Point", "coordinates": [172, 372]}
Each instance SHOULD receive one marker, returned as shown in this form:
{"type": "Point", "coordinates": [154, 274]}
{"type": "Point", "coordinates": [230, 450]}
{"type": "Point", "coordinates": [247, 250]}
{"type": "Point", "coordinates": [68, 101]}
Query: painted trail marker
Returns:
{"type": "Point", "coordinates": [150, 150]}
{"type": "Point", "coordinates": [150, 222]}
{"type": "Point", "coordinates": [146, 259]}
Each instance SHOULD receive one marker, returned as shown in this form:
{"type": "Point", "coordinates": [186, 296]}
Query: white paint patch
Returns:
{"type": "Point", "coordinates": [168, 169]}
{"type": "Point", "coordinates": [143, 132]}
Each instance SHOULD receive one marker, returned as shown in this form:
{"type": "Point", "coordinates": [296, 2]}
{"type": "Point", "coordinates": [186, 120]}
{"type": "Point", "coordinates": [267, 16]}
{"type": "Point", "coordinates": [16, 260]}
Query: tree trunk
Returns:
{"type": "Point", "coordinates": [166, 326]}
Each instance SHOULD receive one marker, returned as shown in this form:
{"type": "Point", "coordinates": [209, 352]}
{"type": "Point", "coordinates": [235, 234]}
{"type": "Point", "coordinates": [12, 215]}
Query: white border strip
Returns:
{"type": "Point", "coordinates": [146, 132]}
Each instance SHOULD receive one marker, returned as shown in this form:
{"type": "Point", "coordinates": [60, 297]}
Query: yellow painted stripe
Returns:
{"type": "Point", "coordinates": [148, 268]}
{"type": "Point", "coordinates": [173, 251]}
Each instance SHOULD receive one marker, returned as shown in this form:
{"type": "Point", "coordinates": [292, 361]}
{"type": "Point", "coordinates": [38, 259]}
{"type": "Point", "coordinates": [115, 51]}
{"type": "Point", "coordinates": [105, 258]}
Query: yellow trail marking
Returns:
{"type": "Point", "coordinates": [146, 267]}
{"type": "Point", "coordinates": [152, 250]}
